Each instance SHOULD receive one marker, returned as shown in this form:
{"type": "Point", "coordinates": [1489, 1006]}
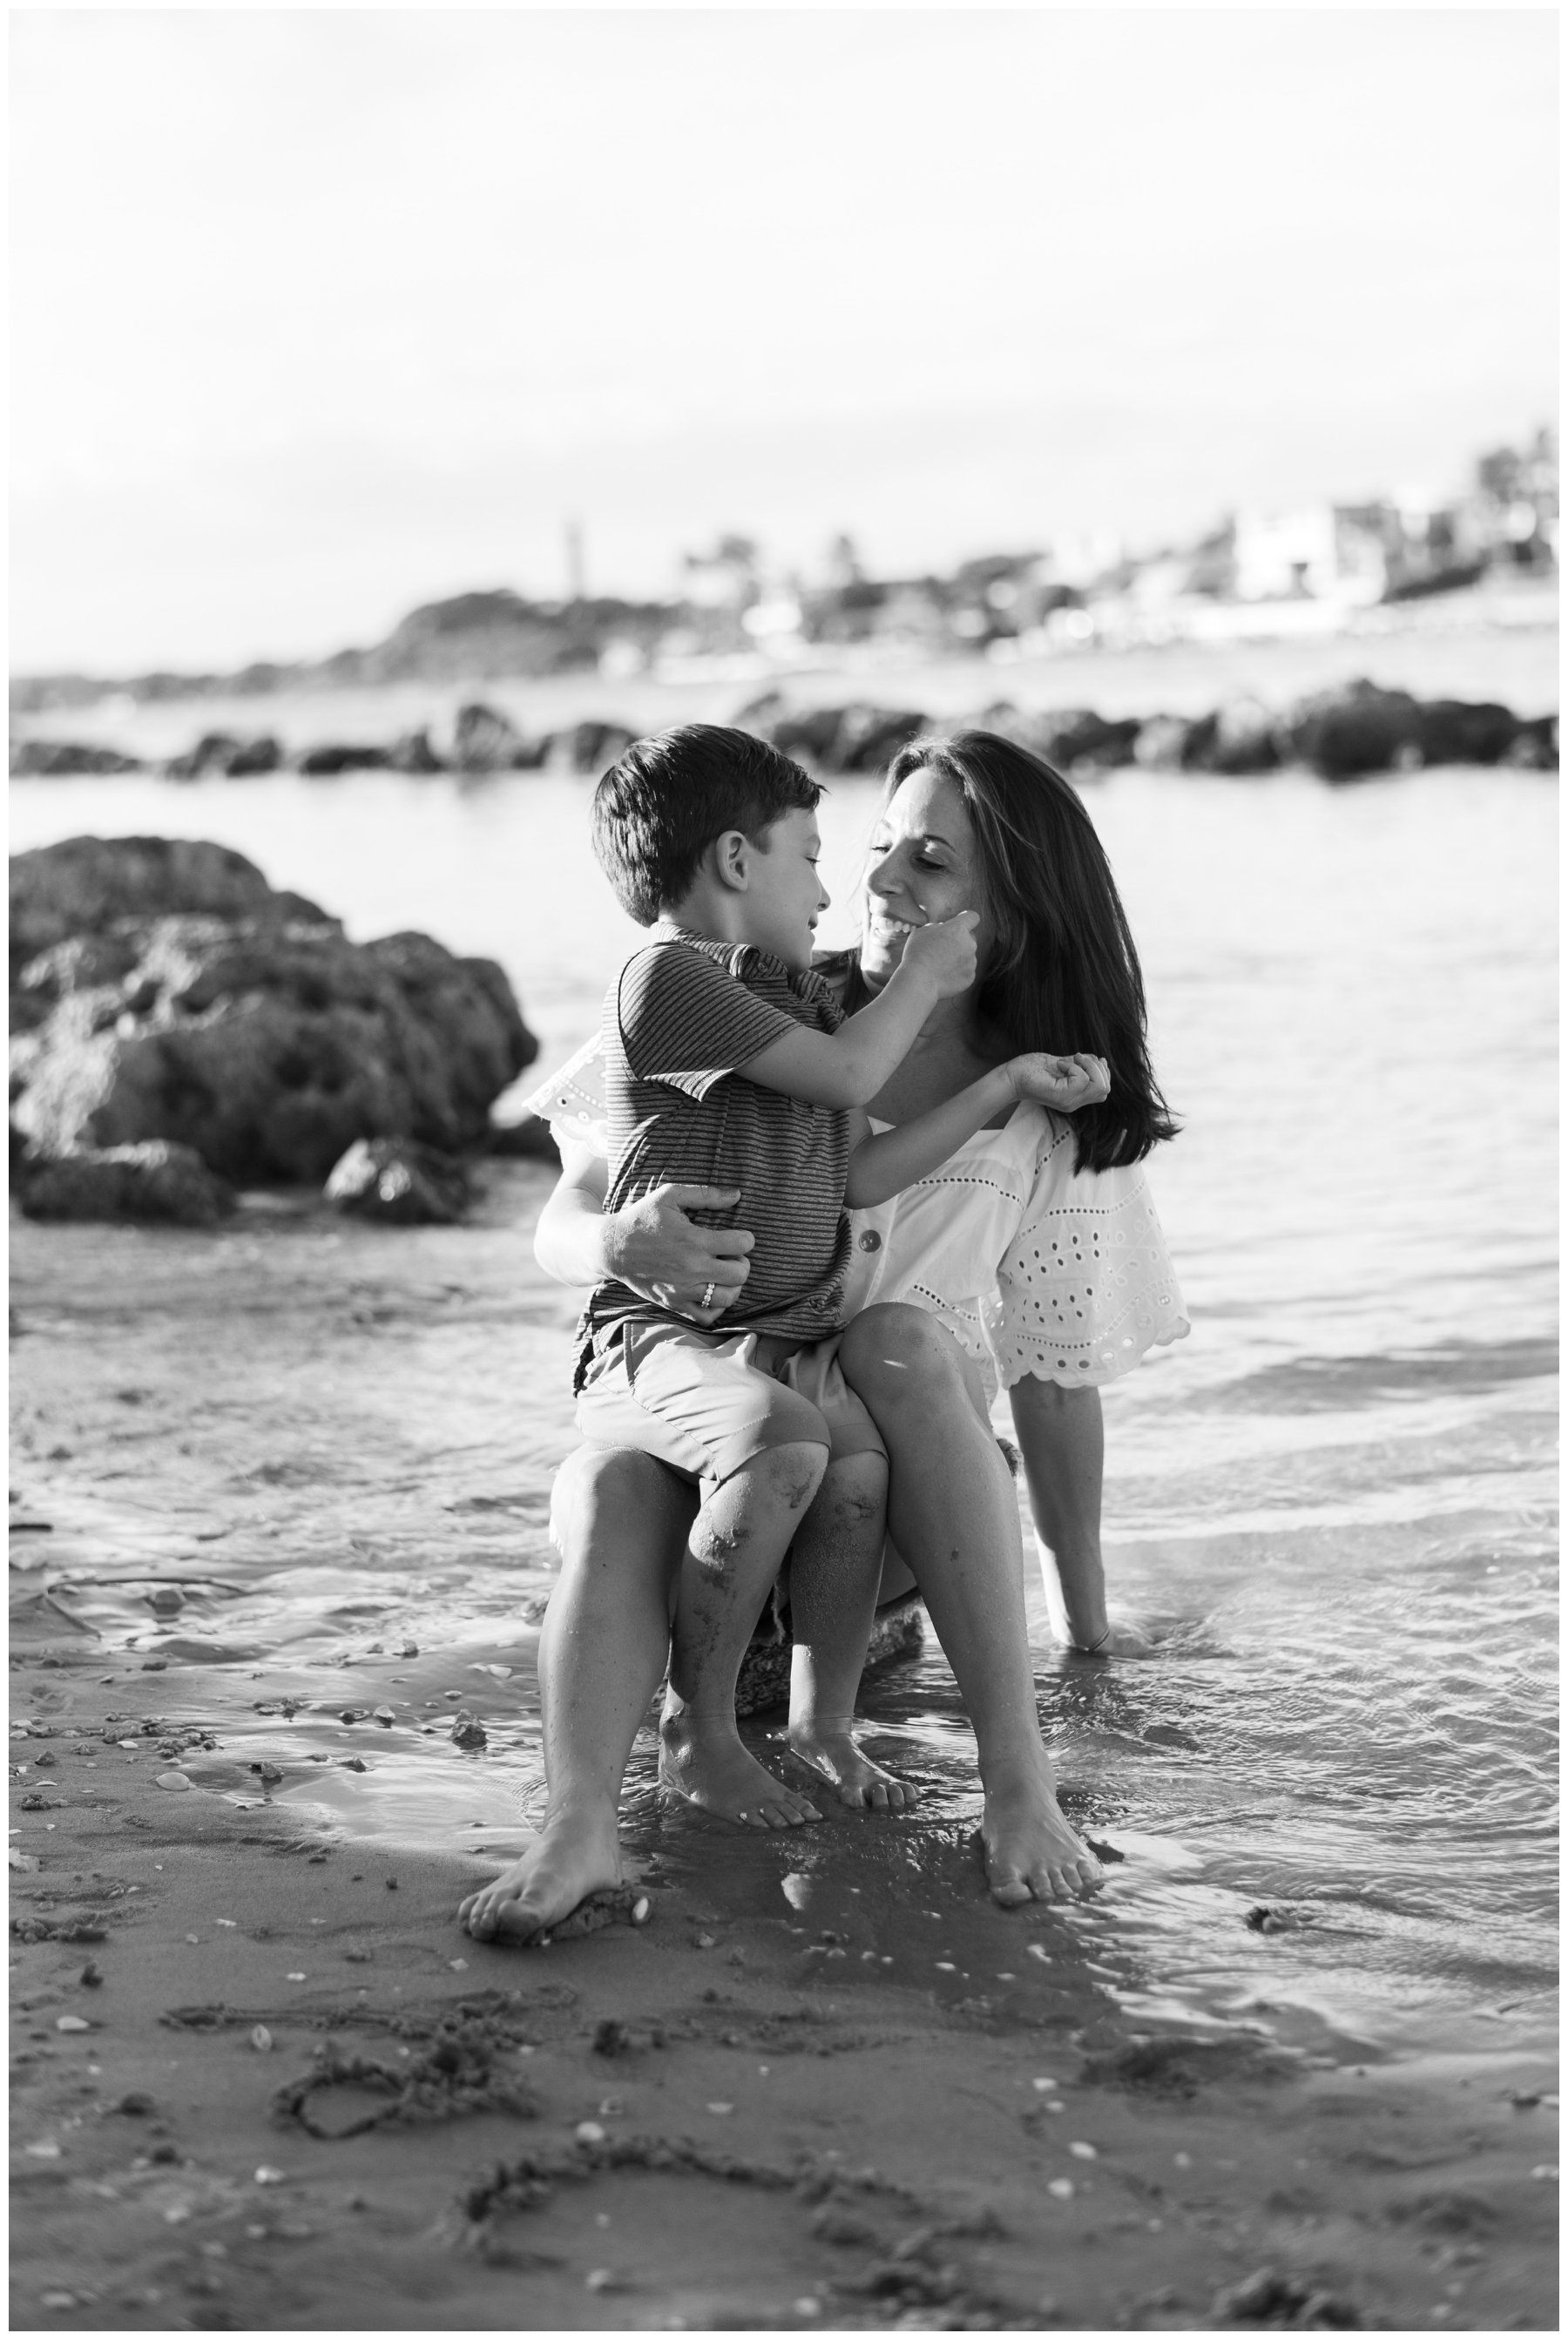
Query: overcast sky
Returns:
{"type": "Point", "coordinates": [317, 315]}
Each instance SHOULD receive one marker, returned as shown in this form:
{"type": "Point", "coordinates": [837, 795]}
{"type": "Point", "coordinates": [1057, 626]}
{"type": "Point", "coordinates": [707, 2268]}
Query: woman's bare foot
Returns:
{"type": "Point", "coordinates": [571, 1858]}
{"type": "Point", "coordinates": [1031, 1853]}
{"type": "Point", "coordinates": [701, 1759]}
{"type": "Point", "coordinates": [1117, 1642]}
{"type": "Point", "coordinates": [830, 1750]}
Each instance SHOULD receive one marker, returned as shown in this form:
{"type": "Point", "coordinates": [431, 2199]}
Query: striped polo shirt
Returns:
{"type": "Point", "coordinates": [683, 1017]}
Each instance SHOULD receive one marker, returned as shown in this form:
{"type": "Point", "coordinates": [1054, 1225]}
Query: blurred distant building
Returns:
{"type": "Point", "coordinates": [1323, 551]}
{"type": "Point", "coordinates": [1513, 511]}
{"type": "Point", "coordinates": [717, 589]}
{"type": "Point", "coordinates": [1401, 546]}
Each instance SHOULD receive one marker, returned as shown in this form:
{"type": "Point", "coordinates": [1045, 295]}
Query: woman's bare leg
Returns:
{"type": "Point", "coordinates": [737, 1549]}
{"type": "Point", "coordinates": [622, 1521]}
{"type": "Point", "coordinates": [835, 1567]}
{"type": "Point", "coordinates": [1062, 1438]}
{"type": "Point", "coordinates": [954, 1516]}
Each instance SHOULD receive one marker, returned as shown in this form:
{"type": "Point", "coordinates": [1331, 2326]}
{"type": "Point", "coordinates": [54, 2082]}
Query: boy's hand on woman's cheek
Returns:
{"type": "Point", "coordinates": [944, 952]}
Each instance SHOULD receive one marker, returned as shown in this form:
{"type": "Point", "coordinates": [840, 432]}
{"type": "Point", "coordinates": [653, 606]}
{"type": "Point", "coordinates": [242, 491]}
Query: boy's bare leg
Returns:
{"type": "Point", "coordinates": [736, 1551]}
{"type": "Point", "coordinates": [622, 1520]}
{"type": "Point", "coordinates": [835, 1568]}
{"type": "Point", "coordinates": [954, 1516]}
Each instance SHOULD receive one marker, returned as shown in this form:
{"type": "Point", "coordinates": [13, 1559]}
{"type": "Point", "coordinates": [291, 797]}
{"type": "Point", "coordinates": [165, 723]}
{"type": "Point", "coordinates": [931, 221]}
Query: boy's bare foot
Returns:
{"type": "Point", "coordinates": [570, 1859]}
{"type": "Point", "coordinates": [831, 1751]}
{"type": "Point", "coordinates": [1031, 1853]}
{"type": "Point", "coordinates": [701, 1759]}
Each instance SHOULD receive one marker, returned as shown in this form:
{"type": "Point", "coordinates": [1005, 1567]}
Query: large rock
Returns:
{"type": "Point", "coordinates": [485, 740]}
{"type": "Point", "coordinates": [85, 886]}
{"type": "Point", "coordinates": [399, 1181]}
{"type": "Point", "coordinates": [1163, 742]}
{"type": "Point", "coordinates": [265, 1041]}
{"type": "Point", "coordinates": [1075, 741]}
{"type": "Point", "coordinates": [1356, 730]}
{"type": "Point", "coordinates": [525, 1140]}
{"type": "Point", "coordinates": [1535, 747]}
{"type": "Point", "coordinates": [1462, 731]}
{"type": "Point", "coordinates": [325, 762]}
{"type": "Point", "coordinates": [854, 738]}
{"type": "Point", "coordinates": [411, 752]}
{"type": "Point", "coordinates": [809, 735]}
{"type": "Point", "coordinates": [50, 759]}
{"type": "Point", "coordinates": [897, 1630]}
{"type": "Point", "coordinates": [219, 755]}
{"type": "Point", "coordinates": [871, 737]}
{"type": "Point", "coordinates": [150, 1182]}
{"type": "Point", "coordinates": [1238, 738]}
{"type": "Point", "coordinates": [591, 747]}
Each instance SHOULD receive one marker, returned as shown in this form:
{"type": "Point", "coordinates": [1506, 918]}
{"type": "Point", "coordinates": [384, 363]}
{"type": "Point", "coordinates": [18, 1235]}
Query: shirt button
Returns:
{"type": "Point", "coordinates": [870, 1240]}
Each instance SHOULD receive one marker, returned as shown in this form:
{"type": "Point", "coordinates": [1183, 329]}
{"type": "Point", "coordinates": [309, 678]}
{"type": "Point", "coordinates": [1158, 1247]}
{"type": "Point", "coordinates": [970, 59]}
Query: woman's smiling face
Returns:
{"type": "Point", "coordinates": [925, 865]}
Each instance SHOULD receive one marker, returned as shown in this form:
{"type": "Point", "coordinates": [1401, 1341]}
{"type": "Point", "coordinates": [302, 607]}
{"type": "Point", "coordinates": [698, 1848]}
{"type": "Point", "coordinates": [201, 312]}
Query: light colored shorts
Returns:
{"type": "Point", "coordinates": [709, 1403]}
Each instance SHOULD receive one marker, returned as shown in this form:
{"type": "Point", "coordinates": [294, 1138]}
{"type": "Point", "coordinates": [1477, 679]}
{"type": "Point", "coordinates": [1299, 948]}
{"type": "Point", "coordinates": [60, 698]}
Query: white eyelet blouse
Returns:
{"type": "Point", "coordinates": [1035, 1267]}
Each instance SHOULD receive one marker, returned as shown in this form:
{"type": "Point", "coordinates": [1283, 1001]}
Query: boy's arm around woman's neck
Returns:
{"type": "Point", "coordinates": [883, 1164]}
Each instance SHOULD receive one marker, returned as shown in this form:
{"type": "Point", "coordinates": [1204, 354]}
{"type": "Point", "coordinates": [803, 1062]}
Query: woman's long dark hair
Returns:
{"type": "Point", "coordinates": [1063, 973]}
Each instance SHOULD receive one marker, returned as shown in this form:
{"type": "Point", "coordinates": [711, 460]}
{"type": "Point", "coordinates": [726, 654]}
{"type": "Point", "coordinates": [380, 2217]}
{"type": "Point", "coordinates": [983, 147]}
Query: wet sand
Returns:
{"type": "Point", "coordinates": [262, 2081]}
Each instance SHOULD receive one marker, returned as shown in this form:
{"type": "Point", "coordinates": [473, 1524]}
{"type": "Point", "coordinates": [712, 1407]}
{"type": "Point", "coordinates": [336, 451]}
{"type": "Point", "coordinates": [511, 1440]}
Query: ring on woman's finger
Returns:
{"type": "Point", "coordinates": [706, 1299]}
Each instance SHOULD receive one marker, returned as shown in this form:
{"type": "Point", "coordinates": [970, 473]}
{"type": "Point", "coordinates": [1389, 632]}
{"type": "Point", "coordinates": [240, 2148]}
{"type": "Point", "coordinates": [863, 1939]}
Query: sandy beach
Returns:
{"type": "Point", "coordinates": [261, 2080]}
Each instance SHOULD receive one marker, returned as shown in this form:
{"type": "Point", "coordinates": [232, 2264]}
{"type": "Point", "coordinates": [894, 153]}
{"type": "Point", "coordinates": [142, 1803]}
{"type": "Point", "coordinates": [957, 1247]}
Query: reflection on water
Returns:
{"type": "Point", "coordinates": [1336, 1502]}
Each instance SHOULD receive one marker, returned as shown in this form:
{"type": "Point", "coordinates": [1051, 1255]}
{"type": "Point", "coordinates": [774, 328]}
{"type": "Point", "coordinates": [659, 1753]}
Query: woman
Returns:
{"type": "Point", "coordinates": [1035, 1249]}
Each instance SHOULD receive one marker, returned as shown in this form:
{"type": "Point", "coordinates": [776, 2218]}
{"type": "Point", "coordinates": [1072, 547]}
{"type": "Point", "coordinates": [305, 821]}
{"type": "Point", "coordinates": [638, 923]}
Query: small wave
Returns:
{"type": "Point", "coordinates": [1334, 1384]}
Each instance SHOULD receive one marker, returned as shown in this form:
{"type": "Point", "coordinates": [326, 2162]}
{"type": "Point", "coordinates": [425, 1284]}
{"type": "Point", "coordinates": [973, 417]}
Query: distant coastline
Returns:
{"type": "Point", "coordinates": [500, 636]}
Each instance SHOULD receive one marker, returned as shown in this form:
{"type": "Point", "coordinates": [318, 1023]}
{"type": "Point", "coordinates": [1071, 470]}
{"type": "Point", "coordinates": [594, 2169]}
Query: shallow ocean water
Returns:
{"type": "Point", "coordinates": [1336, 1502]}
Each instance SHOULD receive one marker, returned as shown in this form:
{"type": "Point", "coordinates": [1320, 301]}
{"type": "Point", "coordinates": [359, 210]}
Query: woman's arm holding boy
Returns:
{"type": "Point", "coordinates": [652, 1244]}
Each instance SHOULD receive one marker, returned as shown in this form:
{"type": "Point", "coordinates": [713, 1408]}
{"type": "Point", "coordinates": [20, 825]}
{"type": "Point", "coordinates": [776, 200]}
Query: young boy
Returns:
{"type": "Point", "coordinates": [727, 1062]}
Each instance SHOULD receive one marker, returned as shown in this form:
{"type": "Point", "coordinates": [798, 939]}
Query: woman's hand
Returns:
{"type": "Point", "coordinates": [658, 1251]}
{"type": "Point", "coordinates": [1066, 1083]}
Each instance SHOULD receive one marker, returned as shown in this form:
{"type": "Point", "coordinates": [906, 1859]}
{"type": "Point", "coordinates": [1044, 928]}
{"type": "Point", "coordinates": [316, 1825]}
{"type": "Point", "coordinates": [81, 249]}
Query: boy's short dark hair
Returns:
{"type": "Point", "coordinates": [658, 809]}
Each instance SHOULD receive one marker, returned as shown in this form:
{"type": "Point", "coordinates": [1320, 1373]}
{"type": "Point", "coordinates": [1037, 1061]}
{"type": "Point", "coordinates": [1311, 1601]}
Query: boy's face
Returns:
{"type": "Point", "coordinates": [784, 895]}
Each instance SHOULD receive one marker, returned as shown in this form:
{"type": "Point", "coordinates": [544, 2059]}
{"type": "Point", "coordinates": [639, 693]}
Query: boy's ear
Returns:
{"type": "Point", "coordinates": [731, 851]}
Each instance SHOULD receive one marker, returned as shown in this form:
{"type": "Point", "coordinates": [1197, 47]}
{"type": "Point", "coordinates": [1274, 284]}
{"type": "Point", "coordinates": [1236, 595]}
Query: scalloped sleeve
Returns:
{"type": "Point", "coordinates": [572, 1100]}
{"type": "Point", "coordinates": [1085, 1288]}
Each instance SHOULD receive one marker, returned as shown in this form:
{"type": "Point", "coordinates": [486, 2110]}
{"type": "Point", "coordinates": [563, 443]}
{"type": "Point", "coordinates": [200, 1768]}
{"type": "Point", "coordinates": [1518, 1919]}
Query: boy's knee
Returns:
{"type": "Point", "coordinates": [857, 1488]}
{"type": "Point", "coordinates": [793, 1473]}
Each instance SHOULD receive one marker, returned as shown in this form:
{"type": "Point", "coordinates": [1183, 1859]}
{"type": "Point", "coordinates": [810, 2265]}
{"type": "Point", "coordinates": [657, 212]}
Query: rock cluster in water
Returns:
{"type": "Point", "coordinates": [1346, 733]}
{"type": "Point", "coordinates": [179, 1028]}
{"type": "Point", "coordinates": [483, 740]}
